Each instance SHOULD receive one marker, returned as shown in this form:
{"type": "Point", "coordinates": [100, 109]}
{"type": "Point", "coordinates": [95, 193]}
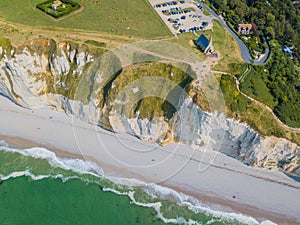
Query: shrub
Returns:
{"type": "Point", "coordinates": [95, 43]}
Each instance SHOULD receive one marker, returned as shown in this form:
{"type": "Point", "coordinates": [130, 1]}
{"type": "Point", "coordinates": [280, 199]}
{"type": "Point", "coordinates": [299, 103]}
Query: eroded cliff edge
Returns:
{"type": "Point", "coordinates": [75, 79]}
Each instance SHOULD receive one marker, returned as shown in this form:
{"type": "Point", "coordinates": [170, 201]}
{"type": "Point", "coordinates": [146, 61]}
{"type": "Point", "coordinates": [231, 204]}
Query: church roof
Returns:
{"type": "Point", "coordinates": [202, 42]}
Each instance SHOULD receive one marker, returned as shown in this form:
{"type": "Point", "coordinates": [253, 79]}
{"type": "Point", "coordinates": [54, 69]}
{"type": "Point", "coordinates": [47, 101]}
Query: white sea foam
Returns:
{"type": "Point", "coordinates": [154, 205]}
{"type": "Point", "coordinates": [157, 191]}
{"type": "Point", "coordinates": [76, 165]}
{"type": "Point", "coordinates": [22, 173]}
{"type": "Point", "coordinates": [267, 222]}
{"type": "Point", "coordinates": [157, 206]}
{"type": "Point", "coordinates": [35, 177]}
{"type": "Point", "coordinates": [153, 190]}
{"type": "Point", "coordinates": [3, 144]}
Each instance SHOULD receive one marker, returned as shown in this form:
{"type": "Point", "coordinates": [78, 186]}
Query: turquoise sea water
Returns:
{"type": "Point", "coordinates": [39, 188]}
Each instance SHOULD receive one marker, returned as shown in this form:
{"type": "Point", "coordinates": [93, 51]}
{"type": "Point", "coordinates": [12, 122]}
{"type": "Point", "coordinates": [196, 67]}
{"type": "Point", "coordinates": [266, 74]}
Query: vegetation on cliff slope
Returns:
{"type": "Point", "coordinates": [277, 84]}
{"type": "Point", "coordinates": [104, 79]}
{"type": "Point", "coordinates": [239, 107]}
{"type": "Point", "coordinates": [256, 116]}
{"type": "Point", "coordinates": [5, 47]}
{"type": "Point", "coordinates": [153, 104]}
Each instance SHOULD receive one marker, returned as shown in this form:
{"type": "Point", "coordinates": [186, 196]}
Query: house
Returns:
{"type": "Point", "coordinates": [244, 28]}
{"type": "Point", "coordinates": [56, 4]}
{"type": "Point", "coordinates": [288, 50]}
{"type": "Point", "coordinates": [204, 44]}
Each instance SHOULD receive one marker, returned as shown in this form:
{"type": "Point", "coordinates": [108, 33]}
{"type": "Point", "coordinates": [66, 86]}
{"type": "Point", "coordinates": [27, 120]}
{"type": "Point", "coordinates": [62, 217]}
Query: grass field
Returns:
{"type": "Point", "coordinates": [227, 46]}
{"type": "Point", "coordinates": [223, 43]}
{"type": "Point", "coordinates": [128, 17]}
{"type": "Point", "coordinates": [186, 40]}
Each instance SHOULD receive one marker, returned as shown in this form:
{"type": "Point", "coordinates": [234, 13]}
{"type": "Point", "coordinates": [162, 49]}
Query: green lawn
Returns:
{"type": "Point", "coordinates": [225, 43]}
{"type": "Point", "coordinates": [129, 17]}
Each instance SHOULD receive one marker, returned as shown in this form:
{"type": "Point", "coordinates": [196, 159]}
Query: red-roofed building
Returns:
{"type": "Point", "coordinates": [244, 28]}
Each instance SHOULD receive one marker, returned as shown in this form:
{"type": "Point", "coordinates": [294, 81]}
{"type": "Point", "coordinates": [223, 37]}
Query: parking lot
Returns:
{"type": "Point", "coordinates": [182, 15]}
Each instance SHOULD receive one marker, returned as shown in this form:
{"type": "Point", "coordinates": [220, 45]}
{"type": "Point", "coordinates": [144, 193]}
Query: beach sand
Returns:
{"type": "Point", "coordinates": [215, 179]}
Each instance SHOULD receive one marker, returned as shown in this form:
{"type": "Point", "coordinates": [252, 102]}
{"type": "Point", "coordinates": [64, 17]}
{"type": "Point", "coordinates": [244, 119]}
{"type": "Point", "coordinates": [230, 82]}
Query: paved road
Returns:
{"type": "Point", "coordinates": [244, 50]}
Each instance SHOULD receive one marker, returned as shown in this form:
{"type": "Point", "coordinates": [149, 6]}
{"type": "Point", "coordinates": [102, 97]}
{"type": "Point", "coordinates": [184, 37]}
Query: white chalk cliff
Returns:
{"type": "Point", "coordinates": [33, 78]}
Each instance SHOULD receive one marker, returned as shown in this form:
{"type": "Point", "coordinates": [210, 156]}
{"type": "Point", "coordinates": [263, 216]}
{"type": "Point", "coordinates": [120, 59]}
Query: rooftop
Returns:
{"type": "Point", "coordinates": [245, 25]}
{"type": "Point", "coordinates": [202, 41]}
{"type": "Point", "coordinates": [56, 3]}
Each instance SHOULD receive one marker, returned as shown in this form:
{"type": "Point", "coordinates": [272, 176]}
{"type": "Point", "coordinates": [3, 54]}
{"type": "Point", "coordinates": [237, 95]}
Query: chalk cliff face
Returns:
{"type": "Point", "coordinates": [29, 72]}
{"type": "Point", "coordinates": [67, 76]}
{"type": "Point", "coordinates": [216, 132]}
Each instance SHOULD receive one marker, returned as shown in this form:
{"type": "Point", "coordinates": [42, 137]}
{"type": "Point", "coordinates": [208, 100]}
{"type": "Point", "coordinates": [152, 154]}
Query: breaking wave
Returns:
{"type": "Point", "coordinates": [140, 193]}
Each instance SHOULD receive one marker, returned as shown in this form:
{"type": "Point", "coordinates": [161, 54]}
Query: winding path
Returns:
{"type": "Point", "coordinates": [248, 59]}
{"type": "Point", "coordinates": [237, 81]}
{"type": "Point", "coordinates": [243, 48]}
{"type": "Point", "coordinates": [263, 105]}
{"type": "Point", "coordinates": [196, 67]}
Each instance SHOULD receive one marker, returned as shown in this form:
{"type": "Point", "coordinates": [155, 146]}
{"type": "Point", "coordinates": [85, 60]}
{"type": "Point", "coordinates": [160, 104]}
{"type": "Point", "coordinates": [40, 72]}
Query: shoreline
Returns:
{"type": "Point", "coordinates": [214, 202]}
{"type": "Point", "coordinates": [210, 194]}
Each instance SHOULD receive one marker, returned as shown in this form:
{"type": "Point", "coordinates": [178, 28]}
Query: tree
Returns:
{"type": "Point", "coordinates": [270, 19]}
{"type": "Point", "coordinates": [270, 32]}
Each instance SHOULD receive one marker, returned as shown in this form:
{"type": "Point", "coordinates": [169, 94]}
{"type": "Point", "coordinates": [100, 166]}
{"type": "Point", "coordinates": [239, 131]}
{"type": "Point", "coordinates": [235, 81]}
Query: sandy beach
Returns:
{"type": "Point", "coordinates": [213, 178]}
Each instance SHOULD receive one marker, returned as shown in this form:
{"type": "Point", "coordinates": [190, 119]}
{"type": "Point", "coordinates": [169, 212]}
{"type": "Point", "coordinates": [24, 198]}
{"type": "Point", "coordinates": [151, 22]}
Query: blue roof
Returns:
{"type": "Point", "coordinates": [288, 49]}
{"type": "Point", "coordinates": [202, 42]}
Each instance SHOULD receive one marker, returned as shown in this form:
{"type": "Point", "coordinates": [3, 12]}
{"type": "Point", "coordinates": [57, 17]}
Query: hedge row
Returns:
{"type": "Point", "coordinates": [46, 8]}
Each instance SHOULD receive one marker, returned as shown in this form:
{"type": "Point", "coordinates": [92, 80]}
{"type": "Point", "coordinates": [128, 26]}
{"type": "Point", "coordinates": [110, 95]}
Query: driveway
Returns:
{"type": "Point", "coordinates": [243, 48]}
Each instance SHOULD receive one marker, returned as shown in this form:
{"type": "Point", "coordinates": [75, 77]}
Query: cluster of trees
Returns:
{"type": "Point", "coordinates": [284, 84]}
{"type": "Point", "coordinates": [275, 19]}
{"type": "Point", "coordinates": [277, 83]}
